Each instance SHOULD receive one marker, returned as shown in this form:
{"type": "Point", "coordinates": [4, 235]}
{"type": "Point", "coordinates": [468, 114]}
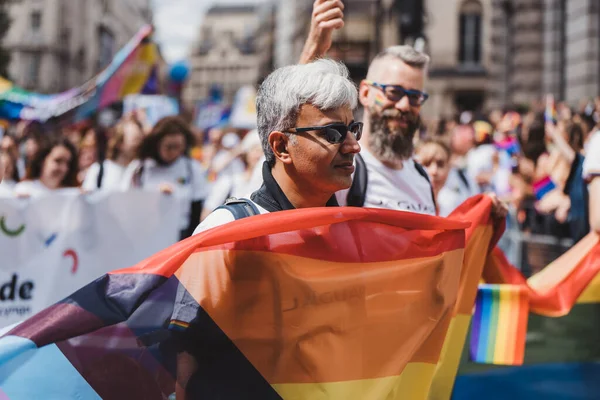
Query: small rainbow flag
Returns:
{"type": "Point", "coordinates": [550, 114]}
{"type": "Point", "coordinates": [499, 325]}
{"type": "Point", "coordinates": [542, 187]}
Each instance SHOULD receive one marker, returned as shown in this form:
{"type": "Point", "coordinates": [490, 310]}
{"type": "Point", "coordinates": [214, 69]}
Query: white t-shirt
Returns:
{"type": "Point", "coordinates": [111, 177]}
{"type": "Point", "coordinates": [186, 176]}
{"type": "Point", "coordinates": [221, 217]}
{"type": "Point", "coordinates": [455, 192]}
{"type": "Point", "coordinates": [591, 165]}
{"type": "Point", "coordinates": [405, 189]}
{"type": "Point", "coordinates": [229, 186]}
{"type": "Point", "coordinates": [480, 159]}
{"type": "Point", "coordinates": [232, 167]}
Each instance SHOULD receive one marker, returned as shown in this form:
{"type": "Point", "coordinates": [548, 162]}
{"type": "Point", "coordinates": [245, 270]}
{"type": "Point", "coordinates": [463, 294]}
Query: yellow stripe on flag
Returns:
{"type": "Point", "coordinates": [447, 367]}
{"type": "Point", "coordinates": [412, 384]}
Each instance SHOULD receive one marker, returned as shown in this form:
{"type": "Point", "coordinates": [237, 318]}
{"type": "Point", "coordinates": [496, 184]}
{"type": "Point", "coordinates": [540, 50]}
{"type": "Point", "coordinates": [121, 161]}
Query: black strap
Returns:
{"type": "Point", "coordinates": [423, 173]}
{"type": "Point", "coordinates": [358, 191]}
{"type": "Point", "coordinates": [240, 208]}
{"type": "Point", "coordinates": [463, 177]}
{"type": "Point", "coordinates": [100, 175]}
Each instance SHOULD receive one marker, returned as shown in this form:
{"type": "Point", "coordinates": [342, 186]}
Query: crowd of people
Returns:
{"type": "Point", "coordinates": [536, 161]}
{"type": "Point", "coordinates": [530, 162]}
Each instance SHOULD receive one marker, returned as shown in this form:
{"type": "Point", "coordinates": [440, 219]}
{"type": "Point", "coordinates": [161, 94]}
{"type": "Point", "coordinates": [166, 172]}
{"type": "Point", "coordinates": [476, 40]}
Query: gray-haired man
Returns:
{"type": "Point", "coordinates": [308, 136]}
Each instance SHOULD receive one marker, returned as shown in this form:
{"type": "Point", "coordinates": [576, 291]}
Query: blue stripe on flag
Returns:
{"type": "Point", "coordinates": [27, 372]}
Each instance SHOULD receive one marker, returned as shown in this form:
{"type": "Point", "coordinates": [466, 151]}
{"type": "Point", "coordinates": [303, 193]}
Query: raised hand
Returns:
{"type": "Point", "coordinates": [327, 16]}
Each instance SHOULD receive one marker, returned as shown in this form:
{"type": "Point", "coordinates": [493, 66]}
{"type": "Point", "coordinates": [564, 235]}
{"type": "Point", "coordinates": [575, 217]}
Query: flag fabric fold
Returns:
{"type": "Point", "coordinates": [571, 278]}
{"type": "Point", "coordinates": [481, 237]}
{"type": "Point", "coordinates": [341, 303]}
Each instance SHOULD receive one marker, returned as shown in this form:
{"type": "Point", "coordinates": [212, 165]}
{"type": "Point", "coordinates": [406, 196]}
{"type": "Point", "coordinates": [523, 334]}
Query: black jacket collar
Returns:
{"type": "Point", "coordinates": [271, 197]}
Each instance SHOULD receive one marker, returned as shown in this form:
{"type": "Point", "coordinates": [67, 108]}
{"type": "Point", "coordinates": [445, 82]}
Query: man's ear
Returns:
{"type": "Point", "coordinates": [279, 143]}
{"type": "Point", "coordinates": [363, 94]}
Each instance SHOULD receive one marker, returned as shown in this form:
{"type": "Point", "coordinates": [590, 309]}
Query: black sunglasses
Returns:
{"type": "Point", "coordinates": [395, 93]}
{"type": "Point", "coordinates": [335, 133]}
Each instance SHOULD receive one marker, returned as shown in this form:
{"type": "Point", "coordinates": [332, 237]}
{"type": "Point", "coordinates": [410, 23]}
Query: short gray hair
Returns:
{"type": "Point", "coordinates": [323, 83]}
{"type": "Point", "coordinates": [407, 54]}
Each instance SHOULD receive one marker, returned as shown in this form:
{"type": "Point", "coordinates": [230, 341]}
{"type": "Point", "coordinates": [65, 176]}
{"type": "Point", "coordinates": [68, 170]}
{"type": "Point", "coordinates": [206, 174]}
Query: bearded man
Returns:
{"type": "Point", "coordinates": [392, 94]}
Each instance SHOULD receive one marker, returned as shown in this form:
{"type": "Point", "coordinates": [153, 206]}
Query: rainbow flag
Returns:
{"type": "Point", "coordinates": [133, 70]}
{"type": "Point", "coordinates": [330, 303]}
{"type": "Point", "coordinates": [499, 325]}
{"type": "Point", "coordinates": [542, 187]}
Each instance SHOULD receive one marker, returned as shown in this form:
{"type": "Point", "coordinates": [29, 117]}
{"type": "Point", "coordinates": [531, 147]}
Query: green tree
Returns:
{"type": "Point", "coordinates": [4, 25]}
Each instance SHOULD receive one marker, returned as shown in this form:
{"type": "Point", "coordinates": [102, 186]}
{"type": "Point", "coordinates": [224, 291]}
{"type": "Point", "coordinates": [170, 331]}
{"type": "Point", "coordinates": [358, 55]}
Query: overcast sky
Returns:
{"type": "Point", "coordinates": [177, 24]}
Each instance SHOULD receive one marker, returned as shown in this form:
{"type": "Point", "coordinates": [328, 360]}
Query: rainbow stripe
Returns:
{"type": "Point", "coordinates": [550, 113]}
{"type": "Point", "coordinates": [542, 187]}
{"type": "Point", "coordinates": [380, 99]}
{"type": "Point", "coordinates": [510, 145]}
{"type": "Point", "coordinates": [499, 325]}
{"type": "Point", "coordinates": [178, 325]}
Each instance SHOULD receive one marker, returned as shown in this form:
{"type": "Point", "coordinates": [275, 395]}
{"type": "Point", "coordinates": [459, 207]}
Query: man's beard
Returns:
{"type": "Point", "coordinates": [391, 145]}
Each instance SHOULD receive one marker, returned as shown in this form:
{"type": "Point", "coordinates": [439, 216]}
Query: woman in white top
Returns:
{"type": "Point", "coordinates": [451, 187]}
{"type": "Point", "coordinates": [240, 184]}
{"type": "Point", "coordinates": [122, 149]}
{"type": "Point", "coordinates": [163, 164]}
{"type": "Point", "coordinates": [53, 167]}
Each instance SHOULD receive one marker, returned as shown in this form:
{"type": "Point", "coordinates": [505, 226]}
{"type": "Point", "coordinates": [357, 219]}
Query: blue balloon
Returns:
{"type": "Point", "coordinates": [179, 72]}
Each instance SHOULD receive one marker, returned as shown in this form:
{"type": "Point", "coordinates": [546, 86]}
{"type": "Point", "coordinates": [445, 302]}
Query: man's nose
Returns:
{"type": "Point", "coordinates": [350, 145]}
{"type": "Point", "coordinates": [403, 104]}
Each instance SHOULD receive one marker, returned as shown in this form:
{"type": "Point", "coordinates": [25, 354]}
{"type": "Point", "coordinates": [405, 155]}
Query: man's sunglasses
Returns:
{"type": "Point", "coordinates": [335, 133]}
{"type": "Point", "coordinates": [395, 93]}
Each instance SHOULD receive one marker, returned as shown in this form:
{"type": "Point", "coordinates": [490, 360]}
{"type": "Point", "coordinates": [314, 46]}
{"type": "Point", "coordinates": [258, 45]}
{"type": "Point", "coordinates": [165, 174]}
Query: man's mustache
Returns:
{"type": "Point", "coordinates": [396, 114]}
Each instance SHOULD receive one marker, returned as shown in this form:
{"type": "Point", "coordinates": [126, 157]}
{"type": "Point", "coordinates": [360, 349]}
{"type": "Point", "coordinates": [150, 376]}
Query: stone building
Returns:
{"type": "Point", "coordinates": [458, 41]}
{"type": "Point", "coordinates": [234, 49]}
{"type": "Point", "coordinates": [545, 47]}
{"type": "Point", "coordinates": [58, 44]}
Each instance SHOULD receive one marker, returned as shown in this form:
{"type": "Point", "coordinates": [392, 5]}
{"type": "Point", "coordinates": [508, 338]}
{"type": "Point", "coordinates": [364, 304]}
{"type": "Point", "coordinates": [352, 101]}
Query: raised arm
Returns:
{"type": "Point", "coordinates": [565, 150]}
{"type": "Point", "coordinates": [327, 16]}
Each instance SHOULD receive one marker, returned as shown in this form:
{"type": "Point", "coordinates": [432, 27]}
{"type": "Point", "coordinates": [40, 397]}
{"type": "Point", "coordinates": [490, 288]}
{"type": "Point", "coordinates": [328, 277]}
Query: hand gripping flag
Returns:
{"type": "Point", "coordinates": [344, 303]}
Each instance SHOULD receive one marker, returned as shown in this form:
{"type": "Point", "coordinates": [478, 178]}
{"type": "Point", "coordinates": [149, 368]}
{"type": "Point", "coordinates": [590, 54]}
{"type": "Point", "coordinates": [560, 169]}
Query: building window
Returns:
{"type": "Point", "coordinates": [36, 21]}
{"type": "Point", "coordinates": [106, 41]}
{"type": "Point", "coordinates": [470, 33]}
{"type": "Point", "coordinates": [34, 69]}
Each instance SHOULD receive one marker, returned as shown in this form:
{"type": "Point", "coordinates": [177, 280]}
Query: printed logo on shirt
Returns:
{"type": "Point", "coordinates": [404, 205]}
{"type": "Point", "coordinates": [182, 180]}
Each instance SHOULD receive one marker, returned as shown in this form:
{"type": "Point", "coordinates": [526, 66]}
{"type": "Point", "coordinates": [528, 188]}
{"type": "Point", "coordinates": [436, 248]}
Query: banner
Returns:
{"type": "Point", "coordinates": [134, 69]}
{"type": "Point", "coordinates": [53, 245]}
{"type": "Point", "coordinates": [243, 112]}
{"type": "Point", "coordinates": [209, 114]}
{"type": "Point", "coordinates": [155, 107]}
{"type": "Point", "coordinates": [331, 303]}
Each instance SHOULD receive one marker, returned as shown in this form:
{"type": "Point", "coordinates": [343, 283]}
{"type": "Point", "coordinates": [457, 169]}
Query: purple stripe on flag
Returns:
{"type": "Point", "coordinates": [476, 327]}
